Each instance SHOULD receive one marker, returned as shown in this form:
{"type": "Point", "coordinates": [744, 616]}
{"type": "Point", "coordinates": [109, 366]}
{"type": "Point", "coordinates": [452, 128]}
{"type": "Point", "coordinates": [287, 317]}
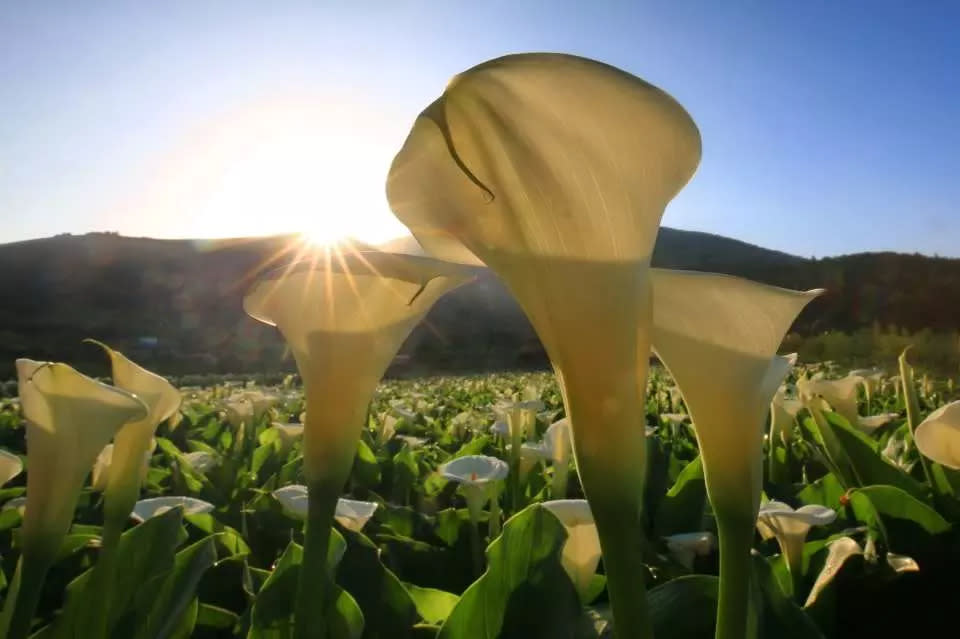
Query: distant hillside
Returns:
{"type": "Point", "coordinates": [176, 304]}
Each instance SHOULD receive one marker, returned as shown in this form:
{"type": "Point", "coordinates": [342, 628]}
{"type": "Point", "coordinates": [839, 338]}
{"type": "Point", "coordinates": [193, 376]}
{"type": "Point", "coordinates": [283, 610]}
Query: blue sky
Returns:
{"type": "Point", "coordinates": [827, 129]}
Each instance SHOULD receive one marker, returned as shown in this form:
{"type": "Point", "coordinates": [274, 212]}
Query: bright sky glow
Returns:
{"type": "Point", "coordinates": [828, 127]}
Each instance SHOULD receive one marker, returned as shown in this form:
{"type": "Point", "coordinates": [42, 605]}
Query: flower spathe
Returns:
{"type": "Point", "coordinates": [841, 394]}
{"type": "Point", "coordinates": [352, 514]}
{"type": "Point", "coordinates": [938, 436]}
{"type": "Point", "coordinates": [344, 318]}
{"type": "Point", "coordinates": [554, 171]}
{"type": "Point", "coordinates": [841, 549]}
{"type": "Point", "coordinates": [581, 552]}
{"type": "Point", "coordinates": [476, 475]}
{"type": "Point", "coordinates": [100, 477]}
{"type": "Point", "coordinates": [705, 323]}
{"type": "Point", "coordinates": [10, 466]}
{"type": "Point", "coordinates": [70, 419]}
{"type": "Point", "coordinates": [685, 547]}
{"type": "Point", "coordinates": [133, 443]}
{"type": "Point", "coordinates": [147, 508]}
{"type": "Point", "coordinates": [790, 527]}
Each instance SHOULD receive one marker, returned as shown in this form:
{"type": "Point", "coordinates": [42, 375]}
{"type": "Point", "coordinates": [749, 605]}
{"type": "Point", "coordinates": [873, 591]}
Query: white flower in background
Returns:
{"type": "Point", "coordinates": [841, 549]}
{"type": "Point", "coordinates": [260, 402]}
{"type": "Point", "coordinates": [10, 466]}
{"type": "Point", "coordinates": [201, 461]}
{"type": "Point", "coordinates": [104, 463]}
{"type": "Point", "coordinates": [239, 412]}
{"type": "Point", "coordinates": [675, 421]}
{"type": "Point", "coordinates": [685, 547]}
{"type": "Point", "coordinates": [402, 411]}
{"type": "Point", "coordinates": [558, 443]}
{"type": "Point", "coordinates": [475, 474]}
{"type": "Point", "coordinates": [147, 508]}
{"type": "Point", "coordinates": [896, 451]}
{"type": "Point", "coordinates": [790, 527]}
{"type": "Point", "coordinates": [938, 436]}
{"type": "Point", "coordinates": [581, 551]}
{"type": "Point", "coordinates": [286, 434]}
{"type": "Point", "coordinates": [350, 513]}
{"type": "Point", "coordinates": [17, 503]}
{"type": "Point", "coordinates": [841, 394]}
{"type": "Point", "coordinates": [353, 514]}
{"type": "Point", "coordinates": [873, 422]}
{"type": "Point", "coordinates": [462, 423]}
{"type": "Point", "coordinates": [411, 441]}
{"type": "Point", "coordinates": [386, 428]}
{"type": "Point", "coordinates": [783, 415]}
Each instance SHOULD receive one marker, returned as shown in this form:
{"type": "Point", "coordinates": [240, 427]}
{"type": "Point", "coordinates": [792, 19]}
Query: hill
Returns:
{"type": "Point", "coordinates": [175, 305]}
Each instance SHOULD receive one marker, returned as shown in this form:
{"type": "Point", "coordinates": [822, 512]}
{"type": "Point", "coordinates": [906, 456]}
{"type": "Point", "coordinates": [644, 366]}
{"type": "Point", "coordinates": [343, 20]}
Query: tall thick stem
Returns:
{"type": "Point", "coordinates": [733, 608]}
{"type": "Point", "coordinates": [313, 587]}
{"type": "Point", "coordinates": [24, 595]}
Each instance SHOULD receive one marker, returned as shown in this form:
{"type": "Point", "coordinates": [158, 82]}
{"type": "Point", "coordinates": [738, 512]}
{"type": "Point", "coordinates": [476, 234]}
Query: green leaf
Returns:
{"type": "Point", "coordinates": [781, 617]}
{"type": "Point", "coordinates": [143, 552]}
{"type": "Point", "coordinates": [226, 537]}
{"type": "Point", "coordinates": [390, 611]}
{"type": "Point", "coordinates": [433, 605]}
{"type": "Point", "coordinates": [671, 604]}
{"type": "Point", "coordinates": [524, 592]}
{"type": "Point", "coordinates": [825, 491]}
{"type": "Point", "coordinates": [366, 470]}
{"type": "Point", "coordinates": [217, 618]}
{"type": "Point", "coordinates": [165, 600]}
{"type": "Point", "coordinates": [682, 508]}
{"type": "Point", "coordinates": [891, 501]}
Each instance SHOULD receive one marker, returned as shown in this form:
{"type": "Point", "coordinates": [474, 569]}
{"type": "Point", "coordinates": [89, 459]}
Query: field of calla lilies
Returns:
{"type": "Point", "coordinates": [724, 490]}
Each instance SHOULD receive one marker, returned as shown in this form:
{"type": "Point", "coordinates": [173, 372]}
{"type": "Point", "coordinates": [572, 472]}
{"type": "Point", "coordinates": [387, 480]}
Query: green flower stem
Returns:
{"type": "Point", "coordinates": [24, 594]}
{"type": "Point", "coordinates": [733, 608]}
{"type": "Point", "coordinates": [313, 587]}
{"type": "Point", "coordinates": [516, 442]}
{"type": "Point", "coordinates": [558, 487]}
{"type": "Point", "coordinates": [493, 526]}
{"type": "Point", "coordinates": [476, 547]}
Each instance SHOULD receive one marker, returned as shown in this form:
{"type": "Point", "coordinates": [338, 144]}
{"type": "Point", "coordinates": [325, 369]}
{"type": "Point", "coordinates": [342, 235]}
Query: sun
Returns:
{"type": "Point", "coordinates": [314, 167]}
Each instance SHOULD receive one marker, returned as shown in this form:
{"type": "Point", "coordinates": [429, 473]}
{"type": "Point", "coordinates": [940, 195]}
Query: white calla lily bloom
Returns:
{"type": "Point", "coordinates": [475, 474]}
{"type": "Point", "coordinates": [783, 415]}
{"type": "Point", "coordinates": [201, 461]}
{"type": "Point", "coordinates": [100, 478]}
{"type": "Point", "coordinates": [840, 394]}
{"type": "Point", "coordinates": [559, 446]}
{"type": "Point", "coordinates": [10, 466]}
{"type": "Point", "coordinates": [147, 508]}
{"type": "Point", "coordinates": [873, 422]}
{"type": "Point", "coordinates": [938, 436]}
{"type": "Point", "coordinates": [554, 170]}
{"type": "Point", "coordinates": [685, 547]}
{"type": "Point", "coordinates": [790, 527]}
{"type": "Point", "coordinates": [352, 514]}
{"type": "Point", "coordinates": [581, 552]}
{"type": "Point", "coordinates": [841, 549]}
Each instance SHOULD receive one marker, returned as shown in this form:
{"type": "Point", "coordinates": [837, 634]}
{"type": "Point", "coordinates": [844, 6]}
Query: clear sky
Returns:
{"type": "Point", "coordinates": [828, 127]}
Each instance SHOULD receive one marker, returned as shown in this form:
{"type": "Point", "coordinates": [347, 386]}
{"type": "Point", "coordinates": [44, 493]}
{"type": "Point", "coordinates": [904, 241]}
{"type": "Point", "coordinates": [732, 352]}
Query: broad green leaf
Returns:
{"type": "Point", "coordinates": [672, 603]}
{"type": "Point", "coordinates": [523, 575]}
{"type": "Point", "coordinates": [215, 617]}
{"type": "Point", "coordinates": [366, 470]}
{"type": "Point", "coordinates": [891, 501]}
{"type": "Point", "coordinates": [226, 537]}
{"type": "Point", "coordinates": [825, 491]}
{"type": "Point", "coordinates": [682, 508]}
{"type": "Point", "coordinates": [433, 605]}
{"type": "Point", "coordinates": [781, 617]}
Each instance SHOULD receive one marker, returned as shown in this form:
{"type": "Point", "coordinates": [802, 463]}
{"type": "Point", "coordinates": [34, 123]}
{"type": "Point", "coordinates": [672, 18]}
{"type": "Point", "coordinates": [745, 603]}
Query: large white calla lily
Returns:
{"type": "Point", "coordinates": [938, 436]}
{"type": "Point", "coordinates": [344, 317]}
{"type": "Point", "coordinates": [352, 514]}
{"type": "Point", "coordinates": [10, 466]}
{"type": "Point", "coordinates": [555, 170]}
{"type": "Point", "coordinates": [581, 551]}
{"type": "Point", "coordinates": [705, 324]}
{"type": "Point", "coordinates": [70, 418]}
{"type": "Point", "coordinates": [475, 474]}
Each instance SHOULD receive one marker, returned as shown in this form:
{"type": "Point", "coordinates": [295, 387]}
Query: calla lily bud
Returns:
{"type": "Point", "coordinates": [554, 171]}
{"type": "Point", "coordinates": [581, 551]}
{"type": "Point", "coordinates": [938, 436]}
{"type": "Point", "coordinates": [10, 466]}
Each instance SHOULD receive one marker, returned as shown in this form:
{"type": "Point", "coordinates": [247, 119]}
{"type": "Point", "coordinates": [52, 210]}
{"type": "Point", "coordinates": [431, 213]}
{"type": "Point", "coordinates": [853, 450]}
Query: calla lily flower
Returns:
{"type": "Point", "coordinates": [147, 508]}
{"type": "Point", "coordinates": [558, 443]}
{"type": "Point", "coordinates": [102, 466]}
{"type": "Point", "coordinates": [70, 418]}
{"type": "Point", "coordinates": [133, 443]}
{"type": "Point", "coordinates": [353, 514]}
{"type": "Point", "coordinates": [938, 436]}
{"type": "Point", "coordinates": [239, 412]}
{"type": "Point", "coordinates": [386, 429]}
{"type": "Point", "coordinates": [260, 402]}
{"type": "Point", "coordinates": [201, 461]}
{"type": "Point", "coordinates": [873, 422]}
{"type": "Point", "coordinates": [10, 466]}
{"type": "Point", "coordinates": [350, 513]}
{"type": "Point", "coordinates": [783, 416]}
{"type": "Point", "coordinates": [705, 323]}
{"type": "Point", "coordinates": [287, 434]}
{"type": "Point", "coordinates": [841, 549]}
{"type": "Point", "coordinates": [17, 503]}
{"type": "Point", "coordinates": [554, 171]}
{"type": "Point", "coordinates": [344, 318]}
{"type": "Point", "coordinates": [475, 474]}
{"type": "Point", "coordinates": [790, 527]}
{"type": "Point", "coordinates": [685, 547]}
{"type": "Point", "coordinates": [411, 441]}
{"type": "Point", "coordinates": [581, 551]}
{"type": "Point", "coordinates": [841, 394]}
